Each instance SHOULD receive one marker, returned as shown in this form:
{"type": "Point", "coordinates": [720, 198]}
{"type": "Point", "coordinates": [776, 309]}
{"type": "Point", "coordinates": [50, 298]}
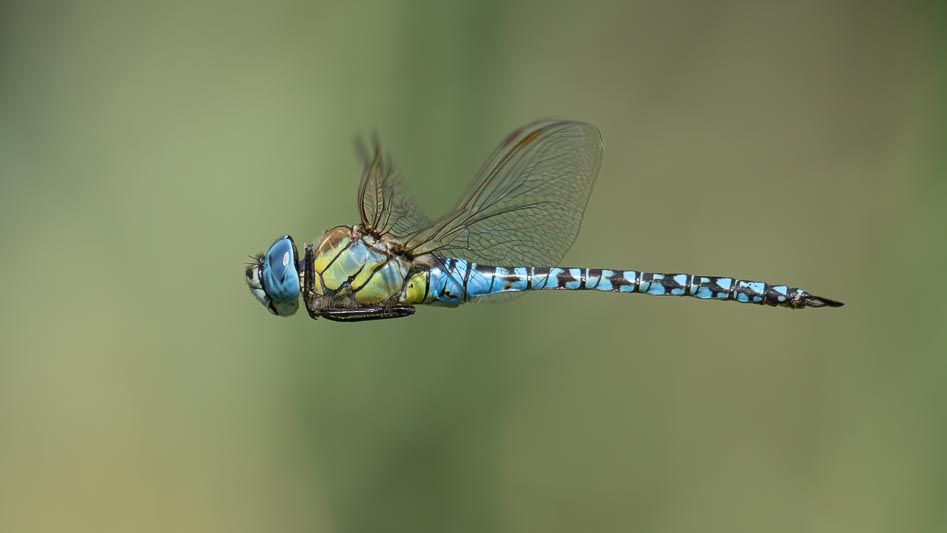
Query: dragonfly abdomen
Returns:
{"type": "Point", "coordinates": [455, 281]}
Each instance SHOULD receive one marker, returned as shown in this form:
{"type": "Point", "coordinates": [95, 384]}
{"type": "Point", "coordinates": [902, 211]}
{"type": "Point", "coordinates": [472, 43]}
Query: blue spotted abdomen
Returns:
{"type": "Point", "coordinates": [454, 281]}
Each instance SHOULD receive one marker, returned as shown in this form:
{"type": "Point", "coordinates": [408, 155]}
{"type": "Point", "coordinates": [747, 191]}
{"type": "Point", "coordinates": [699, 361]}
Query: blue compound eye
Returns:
{"type": "Point", "coordinates": [280, 276]}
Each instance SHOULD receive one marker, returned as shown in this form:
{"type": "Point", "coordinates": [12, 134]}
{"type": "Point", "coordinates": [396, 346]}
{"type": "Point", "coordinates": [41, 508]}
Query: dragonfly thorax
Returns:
{"type": "Point", "coordinates": [351, 267]}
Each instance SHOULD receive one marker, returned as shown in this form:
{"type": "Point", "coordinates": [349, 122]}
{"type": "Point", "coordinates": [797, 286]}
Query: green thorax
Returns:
{"type": "Point", "coordinates": [352, 267]}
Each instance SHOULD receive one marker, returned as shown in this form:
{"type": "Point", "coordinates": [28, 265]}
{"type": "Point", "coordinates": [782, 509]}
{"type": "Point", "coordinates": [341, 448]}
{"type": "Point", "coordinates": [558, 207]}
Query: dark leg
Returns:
{"type": "Point", "coordinates": [365, 313]}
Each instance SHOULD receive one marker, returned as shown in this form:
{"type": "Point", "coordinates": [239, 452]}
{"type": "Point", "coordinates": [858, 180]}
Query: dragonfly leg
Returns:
{"type": "Point", "coordinates": [364, 313]}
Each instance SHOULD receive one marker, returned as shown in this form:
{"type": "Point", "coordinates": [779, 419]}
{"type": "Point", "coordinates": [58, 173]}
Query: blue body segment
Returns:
{"type": "Point", "coordinates": [454, 281]}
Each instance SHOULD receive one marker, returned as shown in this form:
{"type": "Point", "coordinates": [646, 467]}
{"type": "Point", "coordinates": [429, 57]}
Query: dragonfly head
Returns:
{"type": "Point", "coordinates": [274, 278]}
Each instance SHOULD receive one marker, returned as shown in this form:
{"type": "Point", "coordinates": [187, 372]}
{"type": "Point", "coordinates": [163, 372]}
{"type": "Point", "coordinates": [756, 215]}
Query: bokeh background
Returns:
{"type": "Point", "coordinates": [146, 148]}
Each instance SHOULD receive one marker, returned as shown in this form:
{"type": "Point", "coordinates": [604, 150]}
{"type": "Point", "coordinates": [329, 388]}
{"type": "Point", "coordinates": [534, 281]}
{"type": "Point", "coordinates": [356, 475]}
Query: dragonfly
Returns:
{"type": "Point", "coordinates": [505, 236]}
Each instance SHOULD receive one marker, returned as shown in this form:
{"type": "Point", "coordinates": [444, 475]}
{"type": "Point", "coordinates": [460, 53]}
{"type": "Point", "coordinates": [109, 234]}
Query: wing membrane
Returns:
{"type": "Point", "coordinates": [383, 203]}
{"type": "Point", "coordinates": [526, 203]}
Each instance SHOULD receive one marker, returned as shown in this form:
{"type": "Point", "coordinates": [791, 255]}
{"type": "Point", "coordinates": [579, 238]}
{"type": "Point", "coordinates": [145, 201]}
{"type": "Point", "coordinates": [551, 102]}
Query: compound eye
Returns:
{"type": "Point", "coordinates": [280, 276]}
{"type": "Point", "coordinates": [280, 259]}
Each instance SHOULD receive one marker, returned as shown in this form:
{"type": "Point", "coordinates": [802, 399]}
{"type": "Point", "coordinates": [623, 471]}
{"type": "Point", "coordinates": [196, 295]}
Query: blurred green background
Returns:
{"type": "Point", "coordinates": [147, 148]}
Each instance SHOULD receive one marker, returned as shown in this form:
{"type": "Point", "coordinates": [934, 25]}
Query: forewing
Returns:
{"type": "Point", "coordinates": [384, 206]}
{"type": "Point", "coordinates": [526, 203]}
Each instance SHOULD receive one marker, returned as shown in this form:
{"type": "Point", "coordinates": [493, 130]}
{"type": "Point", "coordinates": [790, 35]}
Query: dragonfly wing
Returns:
{"type": "Point", "coordinates": [384, 206]}
{"type": "Point", "coordinates": [526, 203]}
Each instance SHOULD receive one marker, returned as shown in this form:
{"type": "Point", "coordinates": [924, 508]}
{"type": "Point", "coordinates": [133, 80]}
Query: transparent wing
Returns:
{"type": "Point", "coordinates": [383, 205]}
{"type": "Point", "coordinates": [526, 203]}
